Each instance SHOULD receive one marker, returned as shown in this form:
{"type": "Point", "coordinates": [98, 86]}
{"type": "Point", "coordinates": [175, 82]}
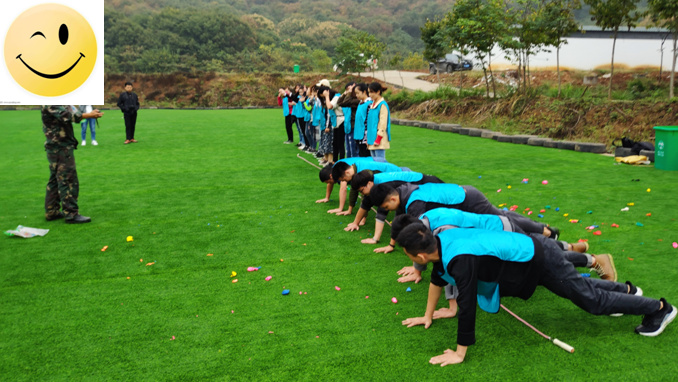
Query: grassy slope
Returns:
{"type": "Point", "coordinates": [221, 182]}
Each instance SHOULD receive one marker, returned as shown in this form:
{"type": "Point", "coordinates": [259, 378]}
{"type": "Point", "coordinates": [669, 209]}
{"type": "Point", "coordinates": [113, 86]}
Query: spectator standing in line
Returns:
{"type": "Point", "coordinates": [129, 104]}
{"type": "Point", "coordinates": [283, 100]}
{"type": "Point", "coordinates": [349, 104]}
{"type": "Point", "coordinates": [378, 123]}
{"type": "Point", "coordinates": [84, 109]}
{"type": "Point", "coordinates": [360, 123]}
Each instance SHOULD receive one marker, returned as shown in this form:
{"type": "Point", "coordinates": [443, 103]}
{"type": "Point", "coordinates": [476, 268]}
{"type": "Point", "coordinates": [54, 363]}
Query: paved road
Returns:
{"type": "Point", "coordinates": [408, 80]}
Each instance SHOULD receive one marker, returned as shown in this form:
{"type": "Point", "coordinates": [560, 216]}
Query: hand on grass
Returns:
{"type": "Point", "coordinates": [343, 213]}
{"type": "Point", "coordinates": [385, 249]}
{"type": "Point", "coordinates": [369, 240]}
{"type": "Point", "coordinates": [334, 211]}
{"type": "Point", "coordinates": [351, 227]}
{"type": "Point", "coordinates": [324, 200]}
{"type": "Point", "coordinates": [411, 277]}
{"type": "Point", "coordinates": [406, 271]}
{"type": "Point", "coordinates": [414, 321]}
{"type": "Point", "coordinates": [449, 357]}
{"type": "Point", "coordinates": [444, 313]}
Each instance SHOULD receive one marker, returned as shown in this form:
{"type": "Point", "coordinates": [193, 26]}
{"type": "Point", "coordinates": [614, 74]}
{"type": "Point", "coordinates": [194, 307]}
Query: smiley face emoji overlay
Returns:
{"type": "Point", "coordinates": [50, 50]}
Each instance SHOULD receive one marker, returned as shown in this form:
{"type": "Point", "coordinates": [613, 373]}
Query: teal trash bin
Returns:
{"type": "Point", "coordinates": [296, 68]}
{"type": "Point", "coordinates": [666, 148]}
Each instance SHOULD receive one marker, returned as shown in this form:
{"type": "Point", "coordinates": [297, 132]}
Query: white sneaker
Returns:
{"type": "Point", "coordinates": [84, 143]}
{"type": "Point", "coordinates": [95, 143]}
{"type": "Point", "coordinates": [303, 146]}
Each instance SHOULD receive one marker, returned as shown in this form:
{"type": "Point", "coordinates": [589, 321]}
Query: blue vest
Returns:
{"type": "Point", "coordinates": [376, 166]}
{"type": "Point", "coordinates": [352, 161]}
{"type": "Point", "coordinates": [318, 115]}
{"type": "Point", "coordinates": [298, 110]}
{"type": "Point", "coordinates": [506, 246]}
{"type": "Point", "coordinates": [347, 119]}
{"type": "Point", "coordinates": [286, 106]}
{"type": "Point", "coordinates": [360, 120]}
{"type": "Point", "coordinates": [402, 176]}
{"type": "Point", "coordinates": [441, 193]}
{"type": "Point", "coordinates": [373, 123]}
{"type": "Point", "coordinates": [439, 217]}
{"type": "Point", "coordinates": [307, 113]}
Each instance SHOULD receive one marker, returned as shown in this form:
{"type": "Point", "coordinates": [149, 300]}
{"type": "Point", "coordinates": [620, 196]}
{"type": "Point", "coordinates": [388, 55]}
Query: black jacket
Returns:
{"type": "Point", "coordinates": [128, 102]}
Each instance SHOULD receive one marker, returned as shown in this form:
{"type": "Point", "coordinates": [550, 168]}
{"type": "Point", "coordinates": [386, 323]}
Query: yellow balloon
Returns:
{"type": "Point", "coordinates": [50, 50]}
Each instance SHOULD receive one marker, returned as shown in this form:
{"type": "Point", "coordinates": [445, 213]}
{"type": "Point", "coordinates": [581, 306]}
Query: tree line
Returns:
{"type": "Point", "coordinates": [521, 28]}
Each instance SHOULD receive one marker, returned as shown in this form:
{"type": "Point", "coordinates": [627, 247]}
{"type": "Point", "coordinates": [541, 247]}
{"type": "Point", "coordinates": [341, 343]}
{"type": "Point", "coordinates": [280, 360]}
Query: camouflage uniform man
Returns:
{"type": "Point", "coordinates": [62, 187]}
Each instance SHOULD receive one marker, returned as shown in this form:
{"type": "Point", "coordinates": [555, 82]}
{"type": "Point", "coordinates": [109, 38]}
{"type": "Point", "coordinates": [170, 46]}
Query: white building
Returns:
{"type": "Point", "coordinates": [638, 48]}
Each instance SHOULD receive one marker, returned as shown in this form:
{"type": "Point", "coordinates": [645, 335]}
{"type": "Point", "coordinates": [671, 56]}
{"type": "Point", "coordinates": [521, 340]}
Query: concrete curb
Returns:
{"type": "Point", "coordinates": [531, 140]}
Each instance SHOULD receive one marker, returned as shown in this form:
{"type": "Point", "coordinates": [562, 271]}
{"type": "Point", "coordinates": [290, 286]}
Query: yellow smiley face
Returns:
{"type": "Point", "coordinates": [50, 50]}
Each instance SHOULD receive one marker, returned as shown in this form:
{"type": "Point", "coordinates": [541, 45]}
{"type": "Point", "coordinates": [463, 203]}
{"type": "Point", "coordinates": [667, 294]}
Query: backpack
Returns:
{"type": "Point", "coordinates": [636, 147]}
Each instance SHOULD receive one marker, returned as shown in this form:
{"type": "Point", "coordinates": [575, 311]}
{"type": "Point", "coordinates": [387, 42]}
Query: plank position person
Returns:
{"type": "Point", "coordinates": [363, 183]}
{"type": "Point", "coordinates": [416, 199]}
{"type": "Point", "coordinates": [486, 265]}
{"type": "Point", "coordinates": [440, 219]}
{"type": "Point", "coordinates": [349, 166]}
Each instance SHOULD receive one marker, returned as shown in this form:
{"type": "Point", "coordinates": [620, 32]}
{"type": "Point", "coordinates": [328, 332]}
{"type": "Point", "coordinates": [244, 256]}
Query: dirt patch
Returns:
{"type": "Point", "coordinates": [182, 90]}
{"type": "Point", "coordinates": [537, 78]}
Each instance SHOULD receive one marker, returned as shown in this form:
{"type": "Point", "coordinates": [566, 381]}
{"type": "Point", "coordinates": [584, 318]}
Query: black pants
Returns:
{"type": "Point", "coordinates": [338, 143]}
{"type": "Point", "coordinates": [363, 152]}
{"type": "Point", "coordinates": [477, 203]}
{"type": "Point", "coordinates": [130, 125]}
{"type": "Point", "coordinates": [302, 126]}
{"type": "Point", "coordinates": [288, 127]}
{"type": "Point", "coordinates": [595, 296]}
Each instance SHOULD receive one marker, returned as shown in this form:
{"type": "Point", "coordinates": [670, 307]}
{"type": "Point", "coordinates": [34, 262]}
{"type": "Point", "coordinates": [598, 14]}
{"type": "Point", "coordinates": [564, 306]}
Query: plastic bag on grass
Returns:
{"type": "Point", "coordinates": [26, 232]}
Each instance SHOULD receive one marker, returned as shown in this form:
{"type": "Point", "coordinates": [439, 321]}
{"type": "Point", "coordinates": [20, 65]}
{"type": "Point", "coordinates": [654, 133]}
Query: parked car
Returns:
{"type": "Point", "coordinates": [450, 63]}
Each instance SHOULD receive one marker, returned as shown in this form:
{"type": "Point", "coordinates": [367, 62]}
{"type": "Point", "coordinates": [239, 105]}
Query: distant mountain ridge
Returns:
{"type": "Point", "coordinates": [259, 35]}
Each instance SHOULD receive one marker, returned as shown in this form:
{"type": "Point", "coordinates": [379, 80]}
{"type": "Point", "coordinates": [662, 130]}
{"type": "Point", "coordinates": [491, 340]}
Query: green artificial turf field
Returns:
{"type": "Point", "coordinates": [206, 193]}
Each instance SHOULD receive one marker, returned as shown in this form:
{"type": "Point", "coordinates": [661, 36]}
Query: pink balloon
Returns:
{"type": "Point", "coordinates": [675, 245]}
{"type": "Point", "coordinates": [268, 278]}
{"type": "Point", "coordinates": [394, 300]}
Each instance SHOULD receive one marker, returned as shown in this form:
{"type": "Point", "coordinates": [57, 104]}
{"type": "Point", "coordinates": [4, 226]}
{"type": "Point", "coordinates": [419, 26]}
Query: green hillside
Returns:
{"type": "Point", "coordinates": [162, 36]}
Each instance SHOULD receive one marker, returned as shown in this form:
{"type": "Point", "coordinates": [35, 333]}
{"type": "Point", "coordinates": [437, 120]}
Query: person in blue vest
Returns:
{"type": "Point", "coordinates": [326, 95]}
{"type": "Point", "coordinates": [349, 104]}
{"type": "Point", "coordinates": [417, 199]}
{"type": "Point", "coordinates": [283, 100]}
{"type": "Point", "coordinates": [298, 112]}
{"type": "Point", "coordinates": [360, 123]}
{"type": "Point", "coordinates": [487, 265]}
{"type": "Point", "coordinates": [318, 122]}
{"type": "Point", "coordinates": [378, 123]}
{"type": "Point", "coordinates": [363, 182]}
{"type": "Point", "coordinates": [441, 219]}
{"type": "Point", "coordinates": [311, 125]}
{"type": "Point", "coordinates": [346, 166]}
